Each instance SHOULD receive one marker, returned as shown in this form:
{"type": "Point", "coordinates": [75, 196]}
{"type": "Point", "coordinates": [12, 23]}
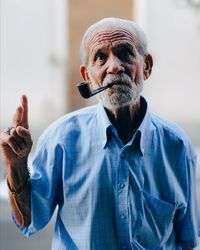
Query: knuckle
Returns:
{"type": "Point", "coordinates": [10, 140]}
{"type": "Point", "coordinates": [13, 132]}
{"type": "Point", "coordinates": [24, 133]}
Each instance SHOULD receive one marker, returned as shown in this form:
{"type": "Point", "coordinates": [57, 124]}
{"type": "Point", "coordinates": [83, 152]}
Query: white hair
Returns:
{"type": "Point", "coordinates": [112, 22]}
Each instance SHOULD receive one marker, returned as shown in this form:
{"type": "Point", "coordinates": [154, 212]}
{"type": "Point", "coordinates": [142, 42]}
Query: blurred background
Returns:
{"type": "Point", "coordinates": [39, 57]}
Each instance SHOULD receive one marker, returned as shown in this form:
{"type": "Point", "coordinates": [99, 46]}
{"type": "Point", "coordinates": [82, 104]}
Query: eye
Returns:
{"type": "Point", "coordinates": [100, 56]}
{"type": "Point", "coordinates": [125, 55]}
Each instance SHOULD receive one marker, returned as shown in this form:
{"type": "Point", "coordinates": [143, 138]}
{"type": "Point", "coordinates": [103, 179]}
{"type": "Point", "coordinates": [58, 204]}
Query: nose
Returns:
{"type": "Point", "coordinates": [114, 65]}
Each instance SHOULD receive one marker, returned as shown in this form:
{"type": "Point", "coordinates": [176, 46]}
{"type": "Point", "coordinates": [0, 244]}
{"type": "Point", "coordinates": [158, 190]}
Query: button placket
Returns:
{"type": "Point", "coordinates": [122, 201]}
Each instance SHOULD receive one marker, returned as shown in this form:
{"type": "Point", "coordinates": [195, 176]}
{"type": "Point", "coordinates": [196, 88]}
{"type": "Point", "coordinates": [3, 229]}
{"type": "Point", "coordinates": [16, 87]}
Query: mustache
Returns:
{"type": "Point", "coordinates": [118, 79]}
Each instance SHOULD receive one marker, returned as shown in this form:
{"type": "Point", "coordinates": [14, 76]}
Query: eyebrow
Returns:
{"type": "Point", "coordinates": [125, 46]}
{"type": "Point", "coordinates": [98, 49]}
{"type": "Point", "coordinates": [119, 46]}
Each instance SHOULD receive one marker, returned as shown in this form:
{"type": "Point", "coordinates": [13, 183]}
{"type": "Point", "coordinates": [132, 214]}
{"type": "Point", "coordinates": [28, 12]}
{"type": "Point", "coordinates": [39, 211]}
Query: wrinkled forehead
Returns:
{"type": "Point", "coordinates": [111, 37]}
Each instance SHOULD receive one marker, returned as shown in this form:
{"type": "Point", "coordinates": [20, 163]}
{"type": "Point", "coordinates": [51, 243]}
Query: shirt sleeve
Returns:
{"type": "Point", "coordinates": [187, 225]}
{"type": "Point", "coordinates": [45, 182]}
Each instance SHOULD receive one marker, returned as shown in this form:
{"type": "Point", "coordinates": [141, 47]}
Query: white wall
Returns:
{"type": "Point", "coordinates": [173, 31]}
{"type": "Point", "coordinates": [33, 56]}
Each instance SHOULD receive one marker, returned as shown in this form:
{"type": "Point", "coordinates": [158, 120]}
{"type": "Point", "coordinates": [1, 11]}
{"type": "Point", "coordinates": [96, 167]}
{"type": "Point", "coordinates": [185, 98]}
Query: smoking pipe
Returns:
{"type": "Point", "coordinates": [86, 92]}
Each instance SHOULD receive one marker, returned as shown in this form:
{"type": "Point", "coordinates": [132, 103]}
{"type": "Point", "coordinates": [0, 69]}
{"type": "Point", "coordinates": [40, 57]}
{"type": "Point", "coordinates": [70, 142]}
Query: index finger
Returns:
{"type": "Point", "coordinates": [24, 120]}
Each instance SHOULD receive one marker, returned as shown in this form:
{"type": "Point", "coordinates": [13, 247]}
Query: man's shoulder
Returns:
{"type": "Point", "coordinates": [169, 129]}
{"type": "Point", "coordinates": [172, 135]}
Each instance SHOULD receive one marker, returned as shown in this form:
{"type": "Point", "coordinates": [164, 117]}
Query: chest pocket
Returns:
{"type": "Point", "coordinates": [155, 222]}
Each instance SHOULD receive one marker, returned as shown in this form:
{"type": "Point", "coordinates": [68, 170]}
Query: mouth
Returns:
{"type": "Point", "coordinates": [116, 85]}
{"type": "Point", "coordinates": [119, 88]}
{"type": "Point", "coordinates": [116, 81]}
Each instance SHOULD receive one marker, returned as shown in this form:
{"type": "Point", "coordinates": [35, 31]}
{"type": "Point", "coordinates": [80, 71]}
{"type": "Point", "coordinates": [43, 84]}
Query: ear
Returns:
{"type": "Point", "coordinates": [148, 64]}
{"type": "Point", "coordinates": [84, 73]}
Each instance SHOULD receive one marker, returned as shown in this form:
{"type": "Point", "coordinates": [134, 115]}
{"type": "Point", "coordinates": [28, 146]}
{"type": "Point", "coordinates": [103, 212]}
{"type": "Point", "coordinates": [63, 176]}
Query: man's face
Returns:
{"type": "Point", "coordinates": [113, 57]}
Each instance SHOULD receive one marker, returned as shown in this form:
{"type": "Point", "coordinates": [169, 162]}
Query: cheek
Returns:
{"type": "Point", "coordinates": [137, 73]}
{"type": "Point", "coordinates": [92, 74]}
{"type": "Point", "coordinates": [96, 75]}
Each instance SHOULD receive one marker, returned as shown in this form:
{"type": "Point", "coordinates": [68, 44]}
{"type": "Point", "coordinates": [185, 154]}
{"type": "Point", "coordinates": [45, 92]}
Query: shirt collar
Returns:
{"type": "Point", "coordinates": [143, 132]}
{"type": "Point", "coordinates": [145, 128]}
{"type": "Point", "coordinates": [103, 123]}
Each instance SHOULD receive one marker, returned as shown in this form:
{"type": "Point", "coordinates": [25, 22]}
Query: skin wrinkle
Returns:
{"type": "Point", "coordinates": [108, 34]}
{"type": "Point", "coordinates": [118, 35]}
{"type": "Point", "coordinates": [110, 24]}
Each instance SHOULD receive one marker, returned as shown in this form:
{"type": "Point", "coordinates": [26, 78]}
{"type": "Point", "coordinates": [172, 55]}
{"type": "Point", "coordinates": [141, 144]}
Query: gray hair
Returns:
{"type": "Point", "coordinates": [114, 22]}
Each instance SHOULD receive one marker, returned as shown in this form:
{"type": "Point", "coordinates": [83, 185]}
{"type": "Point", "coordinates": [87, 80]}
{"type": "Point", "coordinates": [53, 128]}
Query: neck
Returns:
{"type": "Point", "coordinates": [126, 120]}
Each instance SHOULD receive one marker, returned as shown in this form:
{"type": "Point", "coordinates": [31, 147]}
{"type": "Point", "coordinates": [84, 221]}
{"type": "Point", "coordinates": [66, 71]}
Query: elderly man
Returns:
{"type": "Point", "coordinates": [121, 177]}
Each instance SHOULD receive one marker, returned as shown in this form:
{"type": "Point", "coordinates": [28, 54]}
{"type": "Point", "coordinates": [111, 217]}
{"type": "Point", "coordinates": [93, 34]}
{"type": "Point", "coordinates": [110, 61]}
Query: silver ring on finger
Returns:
{"type": "Point", "coordinates": [7, 130]}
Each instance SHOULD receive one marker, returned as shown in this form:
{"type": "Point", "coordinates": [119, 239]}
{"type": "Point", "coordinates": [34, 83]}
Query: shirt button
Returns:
{"type": "Point", "coordinates": [122, 216]}
{"type": "Point", "coordinates": [121, 186]}
{"type": "Point", "coordinates": [122, 155]}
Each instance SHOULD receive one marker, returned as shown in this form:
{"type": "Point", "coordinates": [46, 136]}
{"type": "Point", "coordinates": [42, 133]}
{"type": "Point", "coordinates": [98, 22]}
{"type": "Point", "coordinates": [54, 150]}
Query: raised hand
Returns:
{"type": "Point", "coordinates": [16, 142]}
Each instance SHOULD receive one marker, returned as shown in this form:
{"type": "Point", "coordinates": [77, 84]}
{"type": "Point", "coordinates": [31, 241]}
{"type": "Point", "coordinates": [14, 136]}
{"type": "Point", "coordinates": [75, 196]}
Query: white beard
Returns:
{"type": "Point", "coordinates": [124, 93]}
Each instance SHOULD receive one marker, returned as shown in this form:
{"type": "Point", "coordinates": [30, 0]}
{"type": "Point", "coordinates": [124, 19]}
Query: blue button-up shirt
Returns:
{"type": "Point", "coordinates": [113, 196]}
